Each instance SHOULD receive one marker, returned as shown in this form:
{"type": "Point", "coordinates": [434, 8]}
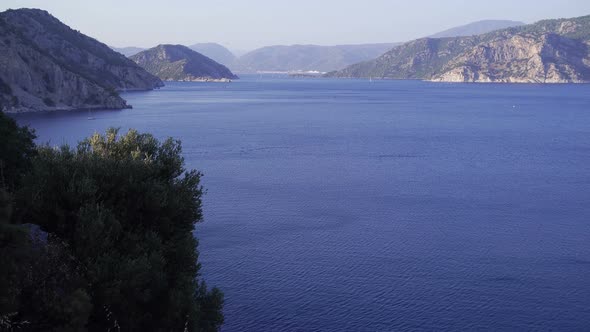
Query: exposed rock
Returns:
{"type": "Point", "coordinates": [551, 51]}
{"type": "Point", "coordinates": [548, 58]}
{"type": "Point", "coordinates": [180, 63]}
{"type": "Point", "coordinates": [45, 65]}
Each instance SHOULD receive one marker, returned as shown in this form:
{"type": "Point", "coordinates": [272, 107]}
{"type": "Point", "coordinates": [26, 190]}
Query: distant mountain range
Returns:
{"type": "Point", "coordinates": [477, 28]}
{"type": "Point", "coordinates": [549, 51]}
{"type": "Point", "coordinates": [285, 58]}
{"type": "Point", "coordinates": [45, 65]}
{"type": "Point", "coordinates": [128, 51]}
{"type": "Point", "coordinates": [307, 57]}
{"type": "Point", "coordinates": [180, 63]}
{"type": "Point", "coordinates": [215, 52]}
{"type": "Point", "coordinates": [328, 58]}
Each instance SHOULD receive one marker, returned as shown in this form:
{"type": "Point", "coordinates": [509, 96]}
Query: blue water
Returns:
{"type": "Point", "coordinates": [384, 206]}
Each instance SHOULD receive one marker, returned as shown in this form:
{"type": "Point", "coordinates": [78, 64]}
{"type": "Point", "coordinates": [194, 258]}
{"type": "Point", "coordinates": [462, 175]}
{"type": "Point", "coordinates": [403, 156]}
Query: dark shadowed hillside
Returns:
{"type": "Point", "coordinates": [48, 66]}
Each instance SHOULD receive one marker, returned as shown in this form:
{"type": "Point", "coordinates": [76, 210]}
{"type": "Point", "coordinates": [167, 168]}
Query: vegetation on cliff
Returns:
{"type": "Point", "coordinates": [180, 63]}
{"type": "Point", "coordinates": [100, 236]}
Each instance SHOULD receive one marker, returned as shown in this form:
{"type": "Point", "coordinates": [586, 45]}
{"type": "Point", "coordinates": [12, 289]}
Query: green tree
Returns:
{"type": "Point", "coordinates": [120, 211]}
{"type": "Point", "coordinates": [16, 150]}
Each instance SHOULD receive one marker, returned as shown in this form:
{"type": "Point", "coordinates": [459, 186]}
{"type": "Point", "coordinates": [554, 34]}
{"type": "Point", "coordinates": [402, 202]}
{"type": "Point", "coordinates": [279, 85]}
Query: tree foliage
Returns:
{"type": "Point", "coordinates": [16, 151]}
{"type": "Point", "coordinates": [118, 212]}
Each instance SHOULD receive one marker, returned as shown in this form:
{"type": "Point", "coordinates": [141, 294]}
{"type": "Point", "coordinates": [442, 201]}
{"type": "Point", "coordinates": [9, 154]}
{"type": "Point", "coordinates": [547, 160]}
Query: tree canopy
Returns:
{"type": "Point", "coordinates": [116, 250]}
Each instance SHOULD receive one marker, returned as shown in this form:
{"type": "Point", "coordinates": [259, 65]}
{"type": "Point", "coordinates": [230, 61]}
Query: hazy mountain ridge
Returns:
{"type": "Point", "coordinates": [302, 58]}
{"type": "Point", "coordinates": [45, 65]}
{"type": "Point", "coordinates": [550, 51]}
{"type": "Point", "coordinates": [180, 63]}
{"type": "Point", "coordinates": [292, 58]}
{"type": "Point", "coordinates": [307, 57]}
{"type": "Point", "coordinates": [216, 52]}
{"type": "Point", "coordinates": [128, 51]}
{"type": "Point", "coordinates": [477, 28]}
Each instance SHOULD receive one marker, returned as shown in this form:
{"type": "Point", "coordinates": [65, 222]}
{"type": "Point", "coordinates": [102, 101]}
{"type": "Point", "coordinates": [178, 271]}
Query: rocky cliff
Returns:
{"type": "Point", "coordinates": [45, 65]}
{"type": "Point", "coordinates": [526, 58]}
{"type": "Point", "coordinates": [180, 63]}
{"type": "Point", "coordinates": [551, 51]}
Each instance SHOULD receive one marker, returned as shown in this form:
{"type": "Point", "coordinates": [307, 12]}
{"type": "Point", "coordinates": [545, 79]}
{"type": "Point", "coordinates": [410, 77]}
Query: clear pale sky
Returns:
{"type": "Point", "coordinates": [247, 24]}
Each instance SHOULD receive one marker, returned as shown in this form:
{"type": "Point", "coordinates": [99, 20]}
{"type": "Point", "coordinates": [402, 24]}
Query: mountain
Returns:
{"type": "Point", "coordinates": [215, 52]}
{"type": "Point", "coordinates": [477, 28]}
{"type": "Point", "coordinates": [128, 51]}
{"type": "Point", "coordinates": [308, 57]}
{"type": "Point", "coordinates": [238, 52]}
{"type": "Point", "coordinates": [550, 51]}
{"type": "Point", "coordinates": [45, 65]}
{"type": "Point", "coordinates": [180, 63]}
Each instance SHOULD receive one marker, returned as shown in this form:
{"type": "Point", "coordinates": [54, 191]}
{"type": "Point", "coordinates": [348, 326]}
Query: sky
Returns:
{"type": "Point", "coordinates": [249, 24]}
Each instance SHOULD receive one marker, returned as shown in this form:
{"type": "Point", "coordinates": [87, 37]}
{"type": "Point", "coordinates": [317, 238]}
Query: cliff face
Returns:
{"type": "Point", "coordinates": [180, 63]}
{"type": "Point", "coordinates": [548, 58]}
{"type": "Point", "coordinates": [552, 51]}
{"type": "Point", "coordinates": [414, 60]}
{"type": "Point", "coordinates": [45, 65]}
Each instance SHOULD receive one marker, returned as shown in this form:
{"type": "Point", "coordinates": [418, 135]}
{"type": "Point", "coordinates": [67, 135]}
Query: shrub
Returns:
{"type": "Point", "coordinates": [125, 209]}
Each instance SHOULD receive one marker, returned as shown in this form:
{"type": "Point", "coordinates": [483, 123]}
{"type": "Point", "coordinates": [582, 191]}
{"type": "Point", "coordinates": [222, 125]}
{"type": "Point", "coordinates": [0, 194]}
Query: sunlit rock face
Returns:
{"type": "Point", "coordinates": [551, 51]}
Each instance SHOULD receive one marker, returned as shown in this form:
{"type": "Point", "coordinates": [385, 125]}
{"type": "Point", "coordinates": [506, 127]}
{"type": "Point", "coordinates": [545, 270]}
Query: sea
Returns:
{"type": "Point", "coordinates": [351, 205]}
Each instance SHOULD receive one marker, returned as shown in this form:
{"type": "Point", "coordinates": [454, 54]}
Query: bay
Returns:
{"type": "Point", "coordinates": [338, 205]}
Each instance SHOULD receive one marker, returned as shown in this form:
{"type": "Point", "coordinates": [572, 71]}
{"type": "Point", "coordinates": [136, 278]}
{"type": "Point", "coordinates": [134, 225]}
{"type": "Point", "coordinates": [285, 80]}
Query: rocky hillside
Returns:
{"type": "Point", "coordinates": [45, 65]}
{"type": "Point", "coordinates": [215, 52]}
{"type": "Point", "coordinates": [551, 51]}
{"type": "Point", "coordinates": [180, 63]}
{"type": "Point", "coordinates": [308, 57]}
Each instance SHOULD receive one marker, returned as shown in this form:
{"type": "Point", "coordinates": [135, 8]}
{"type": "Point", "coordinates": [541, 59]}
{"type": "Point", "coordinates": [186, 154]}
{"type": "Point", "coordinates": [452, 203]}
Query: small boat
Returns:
{"type": "Point", "coordinates": [90, 117]}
